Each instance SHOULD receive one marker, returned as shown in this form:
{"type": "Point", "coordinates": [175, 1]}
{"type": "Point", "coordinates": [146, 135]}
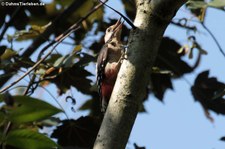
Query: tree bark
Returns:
{"type": "Point", "coordinates": [152, 18]}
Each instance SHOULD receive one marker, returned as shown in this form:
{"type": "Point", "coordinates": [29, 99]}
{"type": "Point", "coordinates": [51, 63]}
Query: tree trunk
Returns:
{"type": "Point", "coordinates": [152, 18]}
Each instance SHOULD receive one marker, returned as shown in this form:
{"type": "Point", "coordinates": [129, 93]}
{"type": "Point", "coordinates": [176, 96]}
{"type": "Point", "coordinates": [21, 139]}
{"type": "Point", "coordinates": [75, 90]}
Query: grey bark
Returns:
{"type": "Point", "coordinates": [152, 18]}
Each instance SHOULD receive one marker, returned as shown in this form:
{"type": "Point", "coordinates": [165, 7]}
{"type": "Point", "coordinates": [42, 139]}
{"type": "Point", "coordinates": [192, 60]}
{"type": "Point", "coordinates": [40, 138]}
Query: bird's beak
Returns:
{"type": "Point", "coordinates": [115, 32]}
{"type": "Point", "coordinates": [118, 26]}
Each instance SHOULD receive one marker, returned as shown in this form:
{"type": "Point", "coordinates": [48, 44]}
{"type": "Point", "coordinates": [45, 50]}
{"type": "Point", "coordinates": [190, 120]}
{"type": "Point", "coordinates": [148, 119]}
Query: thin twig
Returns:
{"type": "Point", "coordinates": [214, 38]}
{"type": "Point", "coordinates": [48, 93]}
{"type": "Point", "coordinates": [72, 27]}
{"type": "Point", "coordinates": [51, 29]}
{"type": "Point", "coordinates": [28, 72]}
{"type": "Point", "coordinates": [193, 28]}
{"type": "Point", "coordinates": [77, 23]}
{"type": "Point", "coordinates": [176, 70]}
{"type": "Point", "coordinates": [58, 37]}
{"type": "Point", "coordinates": [40, 61]}
{"type": "Point", "coordinates": [7, 24]}
{"type": "Point", "coordinates": [30, 84]}
{"type": "Point", "coordinates": [55, 101]}
{"type": "Point", "coordinates": [211, 34]}
{"type": "Point", "coordinates": [125, 18]}
{"type": "Point", "coordinates": [57, 40]}
{"type": "Point", "coordinates": [8, 125]}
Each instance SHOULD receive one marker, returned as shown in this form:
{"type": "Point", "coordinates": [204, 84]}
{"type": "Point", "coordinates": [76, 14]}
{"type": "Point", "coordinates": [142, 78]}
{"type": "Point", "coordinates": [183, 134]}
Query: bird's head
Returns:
{"type": "Point", "coordinates": [114, 31]}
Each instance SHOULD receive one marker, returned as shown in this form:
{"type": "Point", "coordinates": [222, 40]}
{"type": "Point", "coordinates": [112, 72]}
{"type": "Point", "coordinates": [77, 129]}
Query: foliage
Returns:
{"type": "Point", "coordinates": [23, 117]}
{"type": "Point", "coordinates": [206, 90]}
{"type": "Point", "coordinates": [81, 132]}
{"type": "Point", "coordinates": [28, 139]}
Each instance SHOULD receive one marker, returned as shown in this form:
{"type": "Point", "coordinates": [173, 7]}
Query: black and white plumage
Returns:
{"type": "Point", "coordinates": [108, 63]}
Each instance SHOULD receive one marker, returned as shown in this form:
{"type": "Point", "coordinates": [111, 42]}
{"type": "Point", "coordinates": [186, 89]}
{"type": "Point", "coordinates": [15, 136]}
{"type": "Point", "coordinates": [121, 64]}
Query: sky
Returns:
{"type": "Point", "coordinates": [178, 122]}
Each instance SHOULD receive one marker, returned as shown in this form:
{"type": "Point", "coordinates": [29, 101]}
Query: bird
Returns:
{"type": "Point", "coordinates": [108, 63]}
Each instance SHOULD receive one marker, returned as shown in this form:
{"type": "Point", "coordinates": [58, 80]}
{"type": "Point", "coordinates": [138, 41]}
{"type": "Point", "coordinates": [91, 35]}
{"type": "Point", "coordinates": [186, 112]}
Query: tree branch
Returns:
{"type": "Point", "coordinates": [152, 18]}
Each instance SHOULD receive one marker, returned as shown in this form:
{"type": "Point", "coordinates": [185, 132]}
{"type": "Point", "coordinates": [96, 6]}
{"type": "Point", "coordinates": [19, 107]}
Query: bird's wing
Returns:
{"type": "Point", "coordinates": [100, 66]}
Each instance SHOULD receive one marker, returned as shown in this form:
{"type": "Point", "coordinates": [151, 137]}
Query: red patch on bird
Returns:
{"type": "Point", "coordinates": [106, 90]}
{"type": "Point", "coordinates": [112, 71]}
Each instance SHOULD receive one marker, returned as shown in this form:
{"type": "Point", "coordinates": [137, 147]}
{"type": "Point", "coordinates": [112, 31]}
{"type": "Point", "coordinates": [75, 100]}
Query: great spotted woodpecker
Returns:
{"type": "Point", "coordinates": [109, 62]}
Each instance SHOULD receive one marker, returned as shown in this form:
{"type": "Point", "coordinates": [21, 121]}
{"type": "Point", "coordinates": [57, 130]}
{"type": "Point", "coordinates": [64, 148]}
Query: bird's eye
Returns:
{"type": "Point", "coordinates": [113, 44]}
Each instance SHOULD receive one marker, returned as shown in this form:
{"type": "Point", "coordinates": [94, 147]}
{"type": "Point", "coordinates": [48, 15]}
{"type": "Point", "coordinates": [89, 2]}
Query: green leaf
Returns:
{"type": "Point", "coordinates": [77, 48]}
{"type": "Point", "coordinates": [59, 62]}
{"type": "Point", "coordinates": [64, 3]}
{"type": "Point", "coordinates": [31, 109]}
{"type": "Point", "coordinates": [196, 4]}
{"type": "Point", "coordinates": [85, 6]}
{"type": "Point", "coordinates": [202, 51]}
{"type": "Point", "coordinates": [193, 4]}
{"type": "Point", "coordinates": [2, 118]}
{"type": "Point", "coordinates": [68, 62]}
{"type": "Point", "coordinates": [31, 33]}
{"type": "Point", "coordinates": [64, 61]}
{"type": "Point", "coordinates": [198, 8]}
{"type": "Point", "coordinates": [40, 71]}
{"type": "Point", "coordinates": [39, 29]}
{"type": "Point", "coordinates": [157, 70]}
{"type": "Point", "coordinates": [53, 58]}
{"type": "Point", "coordinates": [9, 53]}
{"type": "Point", "coordinates": [52, 121]}
{"type": "Point", "coordinates": [217, 3]}
{"type": "Point", "coordinates": [190, 55]}
{"type": "Point", "coordinates": [9, 38]}
{"type": "Point", "coordinates": [86, 105]}
{"type": "Point", "coordinates": [28, 139]}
